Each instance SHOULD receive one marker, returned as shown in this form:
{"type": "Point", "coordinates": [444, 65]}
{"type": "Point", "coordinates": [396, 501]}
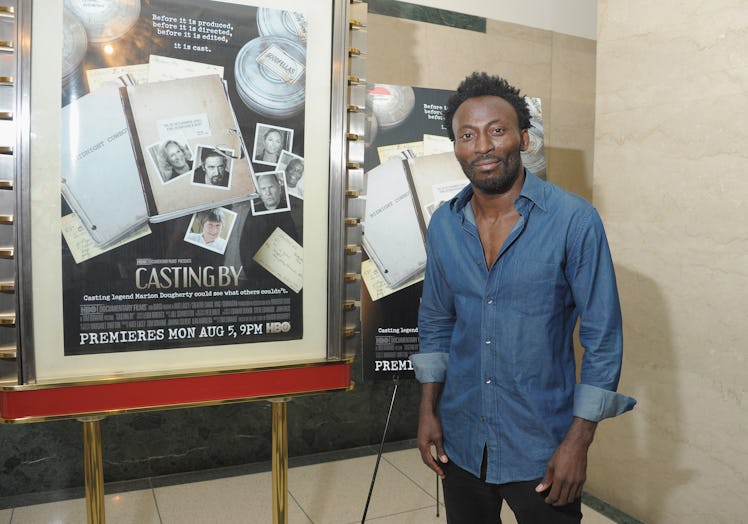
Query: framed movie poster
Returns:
{"type": "Point", "coordinates": [180, 185]}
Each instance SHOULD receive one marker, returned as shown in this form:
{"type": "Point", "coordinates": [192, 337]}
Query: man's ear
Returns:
{"type": "Point", "coordinates": [524, 139]}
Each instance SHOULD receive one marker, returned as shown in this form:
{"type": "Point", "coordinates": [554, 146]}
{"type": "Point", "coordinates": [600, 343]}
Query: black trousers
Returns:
{"type": "Point", "coordinates": [472, 500]}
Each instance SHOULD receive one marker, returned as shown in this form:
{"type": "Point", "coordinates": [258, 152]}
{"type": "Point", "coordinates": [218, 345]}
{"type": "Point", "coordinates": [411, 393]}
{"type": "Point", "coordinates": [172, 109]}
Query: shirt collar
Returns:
{"type": "Point", "coordinates": [534, 189]}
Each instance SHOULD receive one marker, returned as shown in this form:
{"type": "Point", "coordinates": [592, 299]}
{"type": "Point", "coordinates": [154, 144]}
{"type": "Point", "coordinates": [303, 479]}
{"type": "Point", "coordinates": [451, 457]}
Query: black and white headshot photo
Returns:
{"type": "Point", "coordinates": [271, 189]}
{"type": "Point", "coordinates": [172, 157]}
{"type": "Point", "coordinates": [211, 229]}
{"type": "Point", "coordinates": [214, 168]}
{"type": "Point", "coordinates": [293, 166]}
{"type": "Point", "coordinates": [269, 142]}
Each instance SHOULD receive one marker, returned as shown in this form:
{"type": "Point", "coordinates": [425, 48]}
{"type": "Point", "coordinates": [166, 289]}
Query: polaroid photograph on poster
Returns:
{"type": "Point", "coordinates": [213, 167]}
{"type": "Point", "coordinates": [273, 197]}
{"type": "Point", "coordinates": [269, 142]}
{"type": "Point", "coordinates": [211, 229]}
{"type": "Point", "coordinates": [172, 157]}
{"type": "Point", "coordinates": [293, 166]}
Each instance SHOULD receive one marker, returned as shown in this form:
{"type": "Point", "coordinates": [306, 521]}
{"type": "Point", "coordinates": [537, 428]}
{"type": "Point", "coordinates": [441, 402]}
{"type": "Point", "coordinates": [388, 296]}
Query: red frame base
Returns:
{"type": "Point", "coordinates": [22, 403]}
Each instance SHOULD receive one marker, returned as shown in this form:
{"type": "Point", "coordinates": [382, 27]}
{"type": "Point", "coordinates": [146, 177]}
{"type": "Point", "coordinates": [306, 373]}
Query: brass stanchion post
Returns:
{"type": "Point", "coordinates": [93, 466]}
{"type": "Point", "coordinates": [280, 461]}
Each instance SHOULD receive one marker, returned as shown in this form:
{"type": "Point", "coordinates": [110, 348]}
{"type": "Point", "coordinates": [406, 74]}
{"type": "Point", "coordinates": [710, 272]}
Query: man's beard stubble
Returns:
{"type": "Point", "coordinates": [509, 170]}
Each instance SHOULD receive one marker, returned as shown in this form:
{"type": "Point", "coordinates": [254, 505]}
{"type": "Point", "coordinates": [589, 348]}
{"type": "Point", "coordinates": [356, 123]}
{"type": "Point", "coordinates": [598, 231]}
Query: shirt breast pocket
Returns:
{"type": "Point", "coordinates": [535, 288]}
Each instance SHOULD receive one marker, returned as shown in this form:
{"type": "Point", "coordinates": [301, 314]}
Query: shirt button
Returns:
{"type": "Point", "coordinates": [488, 341]}
{"type": "Point", "coordinates": [488, 381]}
{"type": "Point", "coordinates": [483, 419]}
{"type": "Point", "coordinates": [490, 301]}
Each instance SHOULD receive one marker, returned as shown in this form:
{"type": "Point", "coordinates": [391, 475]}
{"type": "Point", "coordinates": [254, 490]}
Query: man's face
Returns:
{"type": "Point", "coordinates": [214, 170]}
{"type": "Point", "coordinates": [488, 142]}
{"type": "Point", "coordinates": [175, 155]}
{"type": "Point", "coordinates": [294, 171]}
{"type": "Point", "coordinates": [211, 231]}
{"type": "Point", "coordinates": [270, 191]}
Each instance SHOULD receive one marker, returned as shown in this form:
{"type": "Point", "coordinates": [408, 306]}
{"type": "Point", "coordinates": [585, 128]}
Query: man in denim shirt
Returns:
{"type": "Point", "coordinates": [513, 262]}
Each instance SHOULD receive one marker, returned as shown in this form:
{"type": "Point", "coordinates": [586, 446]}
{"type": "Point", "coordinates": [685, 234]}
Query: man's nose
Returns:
{"type": "Point", "coordinates": [483, 143]}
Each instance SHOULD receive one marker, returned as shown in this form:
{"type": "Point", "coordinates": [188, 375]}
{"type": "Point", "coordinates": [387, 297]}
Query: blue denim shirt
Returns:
{"type": "Point", "coordinates": [501, 339]}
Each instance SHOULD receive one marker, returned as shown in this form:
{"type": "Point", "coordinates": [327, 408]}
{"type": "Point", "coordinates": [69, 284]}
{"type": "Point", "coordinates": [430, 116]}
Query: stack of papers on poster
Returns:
{"type": "Point", "coordinates": [434, 179]}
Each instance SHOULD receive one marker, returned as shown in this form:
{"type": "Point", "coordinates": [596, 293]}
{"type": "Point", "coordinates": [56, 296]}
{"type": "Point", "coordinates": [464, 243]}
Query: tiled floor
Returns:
{"type": "Point", "coordinates": [321, 491]}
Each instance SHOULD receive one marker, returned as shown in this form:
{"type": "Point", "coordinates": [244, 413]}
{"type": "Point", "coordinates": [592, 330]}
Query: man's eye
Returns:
{"type": "Point", "coordinates": [497, 131]}
{"type": "Point", "coordinates": [466, 136]}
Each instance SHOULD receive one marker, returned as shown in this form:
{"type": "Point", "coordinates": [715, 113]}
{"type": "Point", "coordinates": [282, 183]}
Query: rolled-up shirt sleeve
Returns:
{"type": "Point", "coordinates": [436, 321]}
{"type": "Point", "coordinates": [595, 404]}
{"type": "Point", "coordinates": [430, 367]}
{"type": "Point", "coordinates": [600, 331]}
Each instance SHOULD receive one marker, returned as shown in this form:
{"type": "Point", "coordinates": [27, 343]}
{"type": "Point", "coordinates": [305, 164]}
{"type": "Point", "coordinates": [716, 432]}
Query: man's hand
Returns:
{"type": "Point", "coordinates": [430, 428]}
{"type": "Point", "coordinates": [567, 469]}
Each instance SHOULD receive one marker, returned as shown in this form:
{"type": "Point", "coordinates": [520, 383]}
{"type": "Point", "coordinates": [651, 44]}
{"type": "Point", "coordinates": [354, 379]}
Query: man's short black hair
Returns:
{"type": "Point", "coordinates": [212, 151]}
{"type": "Point", "coordinates": [481, 84]}
{"type": "Point", "coordinates": [293, 162]}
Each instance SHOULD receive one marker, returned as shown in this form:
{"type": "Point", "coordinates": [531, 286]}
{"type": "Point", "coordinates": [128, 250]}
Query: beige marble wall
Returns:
{"type": "Point", "coordinates": [558, 68]}
{"type": "Point", "coordinates": [670, 181]}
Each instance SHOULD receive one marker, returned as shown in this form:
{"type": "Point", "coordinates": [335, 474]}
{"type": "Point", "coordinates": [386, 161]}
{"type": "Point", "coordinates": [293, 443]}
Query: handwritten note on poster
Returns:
{"type": "Point", "coordinates": [284, 258]}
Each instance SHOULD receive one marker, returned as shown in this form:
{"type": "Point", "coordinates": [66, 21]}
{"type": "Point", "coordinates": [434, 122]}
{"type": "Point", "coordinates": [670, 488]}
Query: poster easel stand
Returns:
{"type": "Point", "coordinates": [396, 382]}
{"type": "Point", "coordinates": [90, 403]}
{"type": "Point", "coordinates": [93, 467]}
{"type": "Point", "coordinates": [280, 460]}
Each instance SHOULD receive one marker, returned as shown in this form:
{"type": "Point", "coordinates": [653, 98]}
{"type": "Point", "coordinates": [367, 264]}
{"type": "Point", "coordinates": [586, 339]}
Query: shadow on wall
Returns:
{"type": "Point", "coordinates": [567, 169]}
{"type": "Point", "coordinates": [652, 432]}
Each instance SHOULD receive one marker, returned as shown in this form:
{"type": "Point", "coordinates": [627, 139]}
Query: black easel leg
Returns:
{"type": "Point", "coordinates": [437, 495]}
{"type": "Point", "coordinates": [396, 380]}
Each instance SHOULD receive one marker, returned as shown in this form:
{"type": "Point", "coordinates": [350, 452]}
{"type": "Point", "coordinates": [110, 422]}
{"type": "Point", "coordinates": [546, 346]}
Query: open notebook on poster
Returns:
{"type": "Point", "coordinates": [393, 237]}
{"type": "Point", "coordinates": [113, 174]}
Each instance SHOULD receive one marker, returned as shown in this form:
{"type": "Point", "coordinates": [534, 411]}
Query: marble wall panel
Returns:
{"type": "Point", "coordinates": [669, 180]}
